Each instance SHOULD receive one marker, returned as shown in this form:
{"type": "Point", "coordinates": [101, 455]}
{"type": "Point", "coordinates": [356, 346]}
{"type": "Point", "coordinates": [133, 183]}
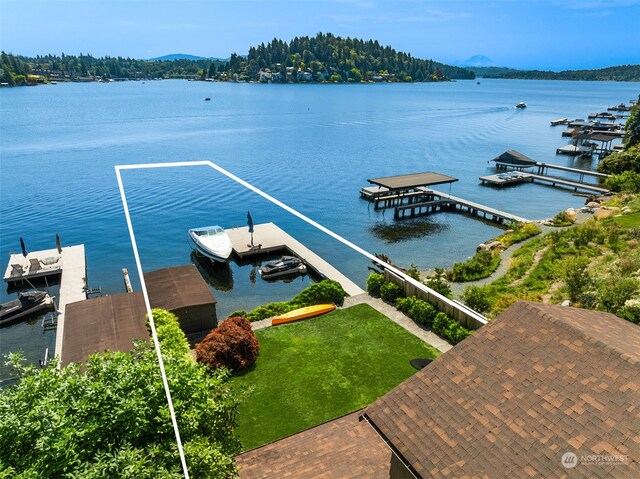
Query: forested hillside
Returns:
{"type": "Point", "coordinates": [323, 58]}
{"type": "Point", "coordinates": [617, 73]}
{"type": "Point", "coordinates": [332, 58]}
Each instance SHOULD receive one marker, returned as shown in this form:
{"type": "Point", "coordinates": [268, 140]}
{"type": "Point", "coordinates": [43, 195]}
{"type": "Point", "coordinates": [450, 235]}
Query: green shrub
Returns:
{"type": "Point", "coordinates": [439, 283]}
{"type": "Point", "coordinates": [615, 292]}
{"type": "Point", "coordinates": [521, 231]}
{"type": "Point", "coordinates": [374, 283]}
{"type": "Point", "coordinates": [240, 313]}
{"type": "Point", "coordinates": [440, 324]}
{"type": "Point", "coordinates": [562, 219]}
{"type": "Point", "coordinates": [626, 182]}
{"type": "Point", "coordinates": [476, 298]}
{"type": "Point", "coordinates": [413, 272]}
{"type": "Point", "coordinates": [630, 311]}
{"type": "Point", "coordinates": [269, 310]}
{"type": "Point", "coordinates": [390, 292]}
{"type": "Point", "coordinates": [326, 291]}
{"type": "Point", "coordinates": [172, 339]}
{"type": "Point", "coordinates": [417, 309]}
{"type": "Point", "coordinates": [481, 265]}
{"type": "Point", "coordinates": [449, 328]}
{"type": "Point", "coordinates": [576, 277]}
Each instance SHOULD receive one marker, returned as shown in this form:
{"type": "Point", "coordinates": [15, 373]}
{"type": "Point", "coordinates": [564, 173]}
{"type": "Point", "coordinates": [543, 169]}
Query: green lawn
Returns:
{"type": "Point", "coordinates": [315, 370]}
{"type": "Point", "coordinates": [628, 221]}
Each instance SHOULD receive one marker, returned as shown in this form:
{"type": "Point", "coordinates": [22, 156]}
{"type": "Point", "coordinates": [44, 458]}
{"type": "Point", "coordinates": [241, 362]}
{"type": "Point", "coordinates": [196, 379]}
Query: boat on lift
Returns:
{"type": "Point", "coordinates": [285, 266]}
{"type": "Point", "coordinates": [212, 242]}
{"type": "Point", "coordinates": [28, 302]}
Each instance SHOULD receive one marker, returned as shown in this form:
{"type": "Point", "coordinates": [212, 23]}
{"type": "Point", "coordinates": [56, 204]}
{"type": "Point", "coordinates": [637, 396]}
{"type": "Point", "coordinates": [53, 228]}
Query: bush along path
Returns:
{"type": "Point", "coordinates": [418, 310]}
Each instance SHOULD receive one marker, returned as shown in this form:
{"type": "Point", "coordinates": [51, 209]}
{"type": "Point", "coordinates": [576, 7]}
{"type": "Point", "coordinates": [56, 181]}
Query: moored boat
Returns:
{"type": "Point", "coordinates": [27, 303]}
{"type": "Point", "coordinates": [212, 242]}
{"type": "Point", "coordinates": [285, 266]}
{"type": "Point", "coordinates": [303, 313]}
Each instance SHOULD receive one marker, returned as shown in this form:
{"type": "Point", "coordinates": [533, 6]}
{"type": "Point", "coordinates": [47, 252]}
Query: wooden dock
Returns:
{"type": "Point", "coordinates": [36, 265]}
{"type": "Point", "coordinates": [582, 173]}
{"type": "Point", "coordinates": [269, 238]}
{"type": "Point", "coordinates": [73, 284]}
{"type": "Point", "coordinates": [523, 177]}
{"type": "Point", "coordinates": [444, 202]}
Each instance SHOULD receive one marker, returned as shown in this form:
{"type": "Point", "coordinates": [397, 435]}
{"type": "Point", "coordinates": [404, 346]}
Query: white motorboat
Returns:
{"type": "Point", "coordinates": [212, 242]}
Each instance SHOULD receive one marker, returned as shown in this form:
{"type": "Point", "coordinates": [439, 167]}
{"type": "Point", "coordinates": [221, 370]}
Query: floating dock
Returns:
{"type": "Point", "coordinates": [36, 265]}
{"type": "Point", "coordinates": [523, 177]}
{"type": "Point", "coordinates": [269, 238]}
{"type": "Point", "coordinates": [73, 286]}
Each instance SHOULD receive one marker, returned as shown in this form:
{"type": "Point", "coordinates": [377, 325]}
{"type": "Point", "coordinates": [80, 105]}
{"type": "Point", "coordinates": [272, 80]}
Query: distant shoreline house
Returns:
{"type": "Point", "coordinates": [541, 391]}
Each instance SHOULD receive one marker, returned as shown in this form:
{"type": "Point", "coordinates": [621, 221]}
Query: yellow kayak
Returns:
{"type": "Point", "coordinates": [303, 313]}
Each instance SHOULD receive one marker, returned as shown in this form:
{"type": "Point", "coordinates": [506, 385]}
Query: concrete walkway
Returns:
{"type": "Point", "coordinates": [263, 323]}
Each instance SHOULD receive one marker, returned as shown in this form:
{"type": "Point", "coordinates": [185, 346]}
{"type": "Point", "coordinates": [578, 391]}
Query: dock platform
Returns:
{"type": "Point", "coordinates": [36, 265]}
{"type": "Point", "coordinates": [439, 201]}
{"type": "Point", "coordinates": [522, 177]}
{"type": "Point", "coordinates": [73, 284]}
{"type": "Point", "coordinates": [269, 238]}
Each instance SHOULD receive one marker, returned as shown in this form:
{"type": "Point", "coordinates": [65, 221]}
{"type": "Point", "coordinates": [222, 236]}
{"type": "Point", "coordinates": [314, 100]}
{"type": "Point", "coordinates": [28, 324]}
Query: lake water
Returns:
{"type": "Point", "coordinates": [310, 146]}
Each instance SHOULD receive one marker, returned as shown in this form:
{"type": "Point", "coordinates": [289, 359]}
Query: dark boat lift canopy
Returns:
{"type": "Point", "coordinates": [414, 180]}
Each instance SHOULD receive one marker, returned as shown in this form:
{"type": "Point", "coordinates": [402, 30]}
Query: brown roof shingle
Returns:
{"type": "Point", "coordinates": [538, 381]}
{"type": "Point", "coordinates": [100, 324]}
{"type": "Point", "coordinates": [177, 287]}
{"type": "Point", "coordinates": [342, 448]}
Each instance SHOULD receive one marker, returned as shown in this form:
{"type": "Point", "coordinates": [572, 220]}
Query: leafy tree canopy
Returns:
{"type": "Point", "coordinates": [110, 418]}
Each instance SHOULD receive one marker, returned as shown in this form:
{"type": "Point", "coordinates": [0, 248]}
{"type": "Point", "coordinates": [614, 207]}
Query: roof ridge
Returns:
{"type": "Point", "coordinates": [540, 310]}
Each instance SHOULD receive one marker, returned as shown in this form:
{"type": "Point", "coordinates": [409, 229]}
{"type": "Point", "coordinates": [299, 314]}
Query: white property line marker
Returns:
{"type": "Point", "coordinates": [276, 202]}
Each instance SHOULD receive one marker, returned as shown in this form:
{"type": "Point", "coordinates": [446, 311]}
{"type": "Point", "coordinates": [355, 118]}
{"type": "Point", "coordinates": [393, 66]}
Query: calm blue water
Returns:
{"type": "Point", "coordinates": [310, 146]}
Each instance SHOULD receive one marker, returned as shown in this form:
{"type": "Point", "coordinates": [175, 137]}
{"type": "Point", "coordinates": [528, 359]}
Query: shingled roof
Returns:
{"type": "Point", "coordinates": [342, 448]}
{"type": "Point", "coordinates": [177, 287]}
{"type": "Point", "coordinates": [536, 382]}
{"type": "Point", "coordinates": [105, 323]}
{"type": "Point", "coordinates": [514, 157]}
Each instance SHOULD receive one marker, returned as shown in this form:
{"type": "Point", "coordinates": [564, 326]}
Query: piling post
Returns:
{"type": "Point", "coordinates": [127, 281]}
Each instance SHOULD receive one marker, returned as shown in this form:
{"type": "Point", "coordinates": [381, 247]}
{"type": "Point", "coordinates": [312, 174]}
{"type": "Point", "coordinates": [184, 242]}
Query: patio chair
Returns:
{"type": "Point", "coordinates": [34, 265]}
{"type": "Point", "coordinates": [17, 270]}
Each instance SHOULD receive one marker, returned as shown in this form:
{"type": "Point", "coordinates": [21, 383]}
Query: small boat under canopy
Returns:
{"type": "Point", "coordinates": [212, 242]}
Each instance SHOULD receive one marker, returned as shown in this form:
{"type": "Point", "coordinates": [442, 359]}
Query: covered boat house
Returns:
{"type": "Point", "coordinates": [513, 159]}
{"type": "Point", "coordinates": [182, 291]}
{"type": "Point", "coordinates": [402, 189]}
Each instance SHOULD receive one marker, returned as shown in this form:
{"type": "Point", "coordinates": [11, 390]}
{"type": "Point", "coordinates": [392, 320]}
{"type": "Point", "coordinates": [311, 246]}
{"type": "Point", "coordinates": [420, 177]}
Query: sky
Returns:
{"type": "Point", "coordinates": [543, 34]}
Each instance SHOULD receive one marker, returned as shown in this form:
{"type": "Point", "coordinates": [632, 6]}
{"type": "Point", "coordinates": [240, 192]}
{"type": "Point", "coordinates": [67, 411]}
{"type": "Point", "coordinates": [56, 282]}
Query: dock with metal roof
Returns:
{"type": "Point", "coordinates": [402, 189]}
{"type": "Point", "coordinates": [269, 238]}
